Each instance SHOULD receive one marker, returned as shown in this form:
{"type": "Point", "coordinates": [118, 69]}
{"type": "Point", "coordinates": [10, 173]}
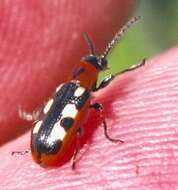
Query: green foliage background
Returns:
{"type": "Point", "coordinates": [155, 32]}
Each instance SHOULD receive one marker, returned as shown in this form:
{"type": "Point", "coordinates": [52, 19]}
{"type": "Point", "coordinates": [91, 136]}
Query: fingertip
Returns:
{"type": "Point", "coordinates": [41, 43]}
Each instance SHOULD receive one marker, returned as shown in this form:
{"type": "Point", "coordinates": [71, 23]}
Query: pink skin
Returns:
{"type": "Point", "coordinates": [142, 112]}
{"type": "Point", "coordinates": [142, 106]}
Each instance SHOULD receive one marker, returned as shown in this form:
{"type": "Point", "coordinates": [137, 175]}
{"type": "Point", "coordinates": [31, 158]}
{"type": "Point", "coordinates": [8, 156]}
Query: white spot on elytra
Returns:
{"type": "Point", "coordinates": [69, 111]}
{"type": "Point", "coordinates": [48, 106]}
{"type": "Point", "coordinates": [79, 91]}
{"type": "Point", "coordinates": [59, 87]}
{"type": "Point", "coordinates": [37, 127]}
{"type": "Point", "coordinates": [57, 133]}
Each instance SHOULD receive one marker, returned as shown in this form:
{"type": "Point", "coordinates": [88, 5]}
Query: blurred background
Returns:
{"type": "Point", "coordinates": [155, 32]}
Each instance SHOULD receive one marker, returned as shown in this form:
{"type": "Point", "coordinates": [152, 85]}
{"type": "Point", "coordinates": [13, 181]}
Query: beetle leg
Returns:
{"type": "Point", "coordinates": [133, 67]}
{"type": "Point", "coordinates": [98, 107]}
{"type": "Point", "coordinates": [105, 82]}
{"type": "Point", "coordinates": [77, 149]}
{"type": "Point", "coordinates": [109, 78]}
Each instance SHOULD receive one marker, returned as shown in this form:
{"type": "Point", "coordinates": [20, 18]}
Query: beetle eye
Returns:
{"type": "Point", "coordinates": [103, 63]}
{"type": "Point", "coordinates": [91, 59]}
{"type": "Point", "coordinates": [99, 62]}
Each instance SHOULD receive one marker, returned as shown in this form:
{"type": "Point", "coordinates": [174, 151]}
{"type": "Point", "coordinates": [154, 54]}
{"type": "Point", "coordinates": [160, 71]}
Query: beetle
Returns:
{"type": "Point", "coordinates": [63, 115]}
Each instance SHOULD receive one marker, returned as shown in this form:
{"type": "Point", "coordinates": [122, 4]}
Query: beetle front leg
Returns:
{"type": "Point", "coordinates": [104, 83]}
{"type": "Point", "coordinates": [133, 67]}
{"type": "Point", "coordinates": [109, 78]}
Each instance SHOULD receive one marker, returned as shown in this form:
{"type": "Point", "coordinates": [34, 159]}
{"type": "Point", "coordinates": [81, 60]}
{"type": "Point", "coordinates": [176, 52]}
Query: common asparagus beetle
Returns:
{"type": "Point", "coordinates": [63, 114]}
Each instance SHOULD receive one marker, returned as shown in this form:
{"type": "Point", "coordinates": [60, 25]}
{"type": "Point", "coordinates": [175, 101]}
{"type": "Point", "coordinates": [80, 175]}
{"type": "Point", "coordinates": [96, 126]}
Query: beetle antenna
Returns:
{"type": "Point", "coordinates": [119, 34]}
{"type": "Point", "coordinates": [90, 44]}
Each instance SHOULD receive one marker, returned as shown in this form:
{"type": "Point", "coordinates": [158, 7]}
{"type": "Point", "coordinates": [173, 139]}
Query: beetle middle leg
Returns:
{"type": "Point", "coordinates": [98, 107]}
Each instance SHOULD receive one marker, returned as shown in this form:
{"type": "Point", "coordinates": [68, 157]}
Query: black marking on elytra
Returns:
{"type": "Point", "coordinates": [52, 148]}
{"type": "Point", "coordinates": [78, 71]}
{"type": "Point", "coordinates": [34, 147]}
{"type": "Point", "coordinates": [33, 142]}
{"type": "Point", "coordinates": [67, 123]}
{"type": "Point", "coordinates": [82, 99]}
{"type": "Point", "coordinates": [61, 99]}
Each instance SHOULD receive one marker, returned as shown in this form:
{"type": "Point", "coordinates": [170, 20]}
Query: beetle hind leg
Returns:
{"type": "Point", "coordinates": [77, 149]}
